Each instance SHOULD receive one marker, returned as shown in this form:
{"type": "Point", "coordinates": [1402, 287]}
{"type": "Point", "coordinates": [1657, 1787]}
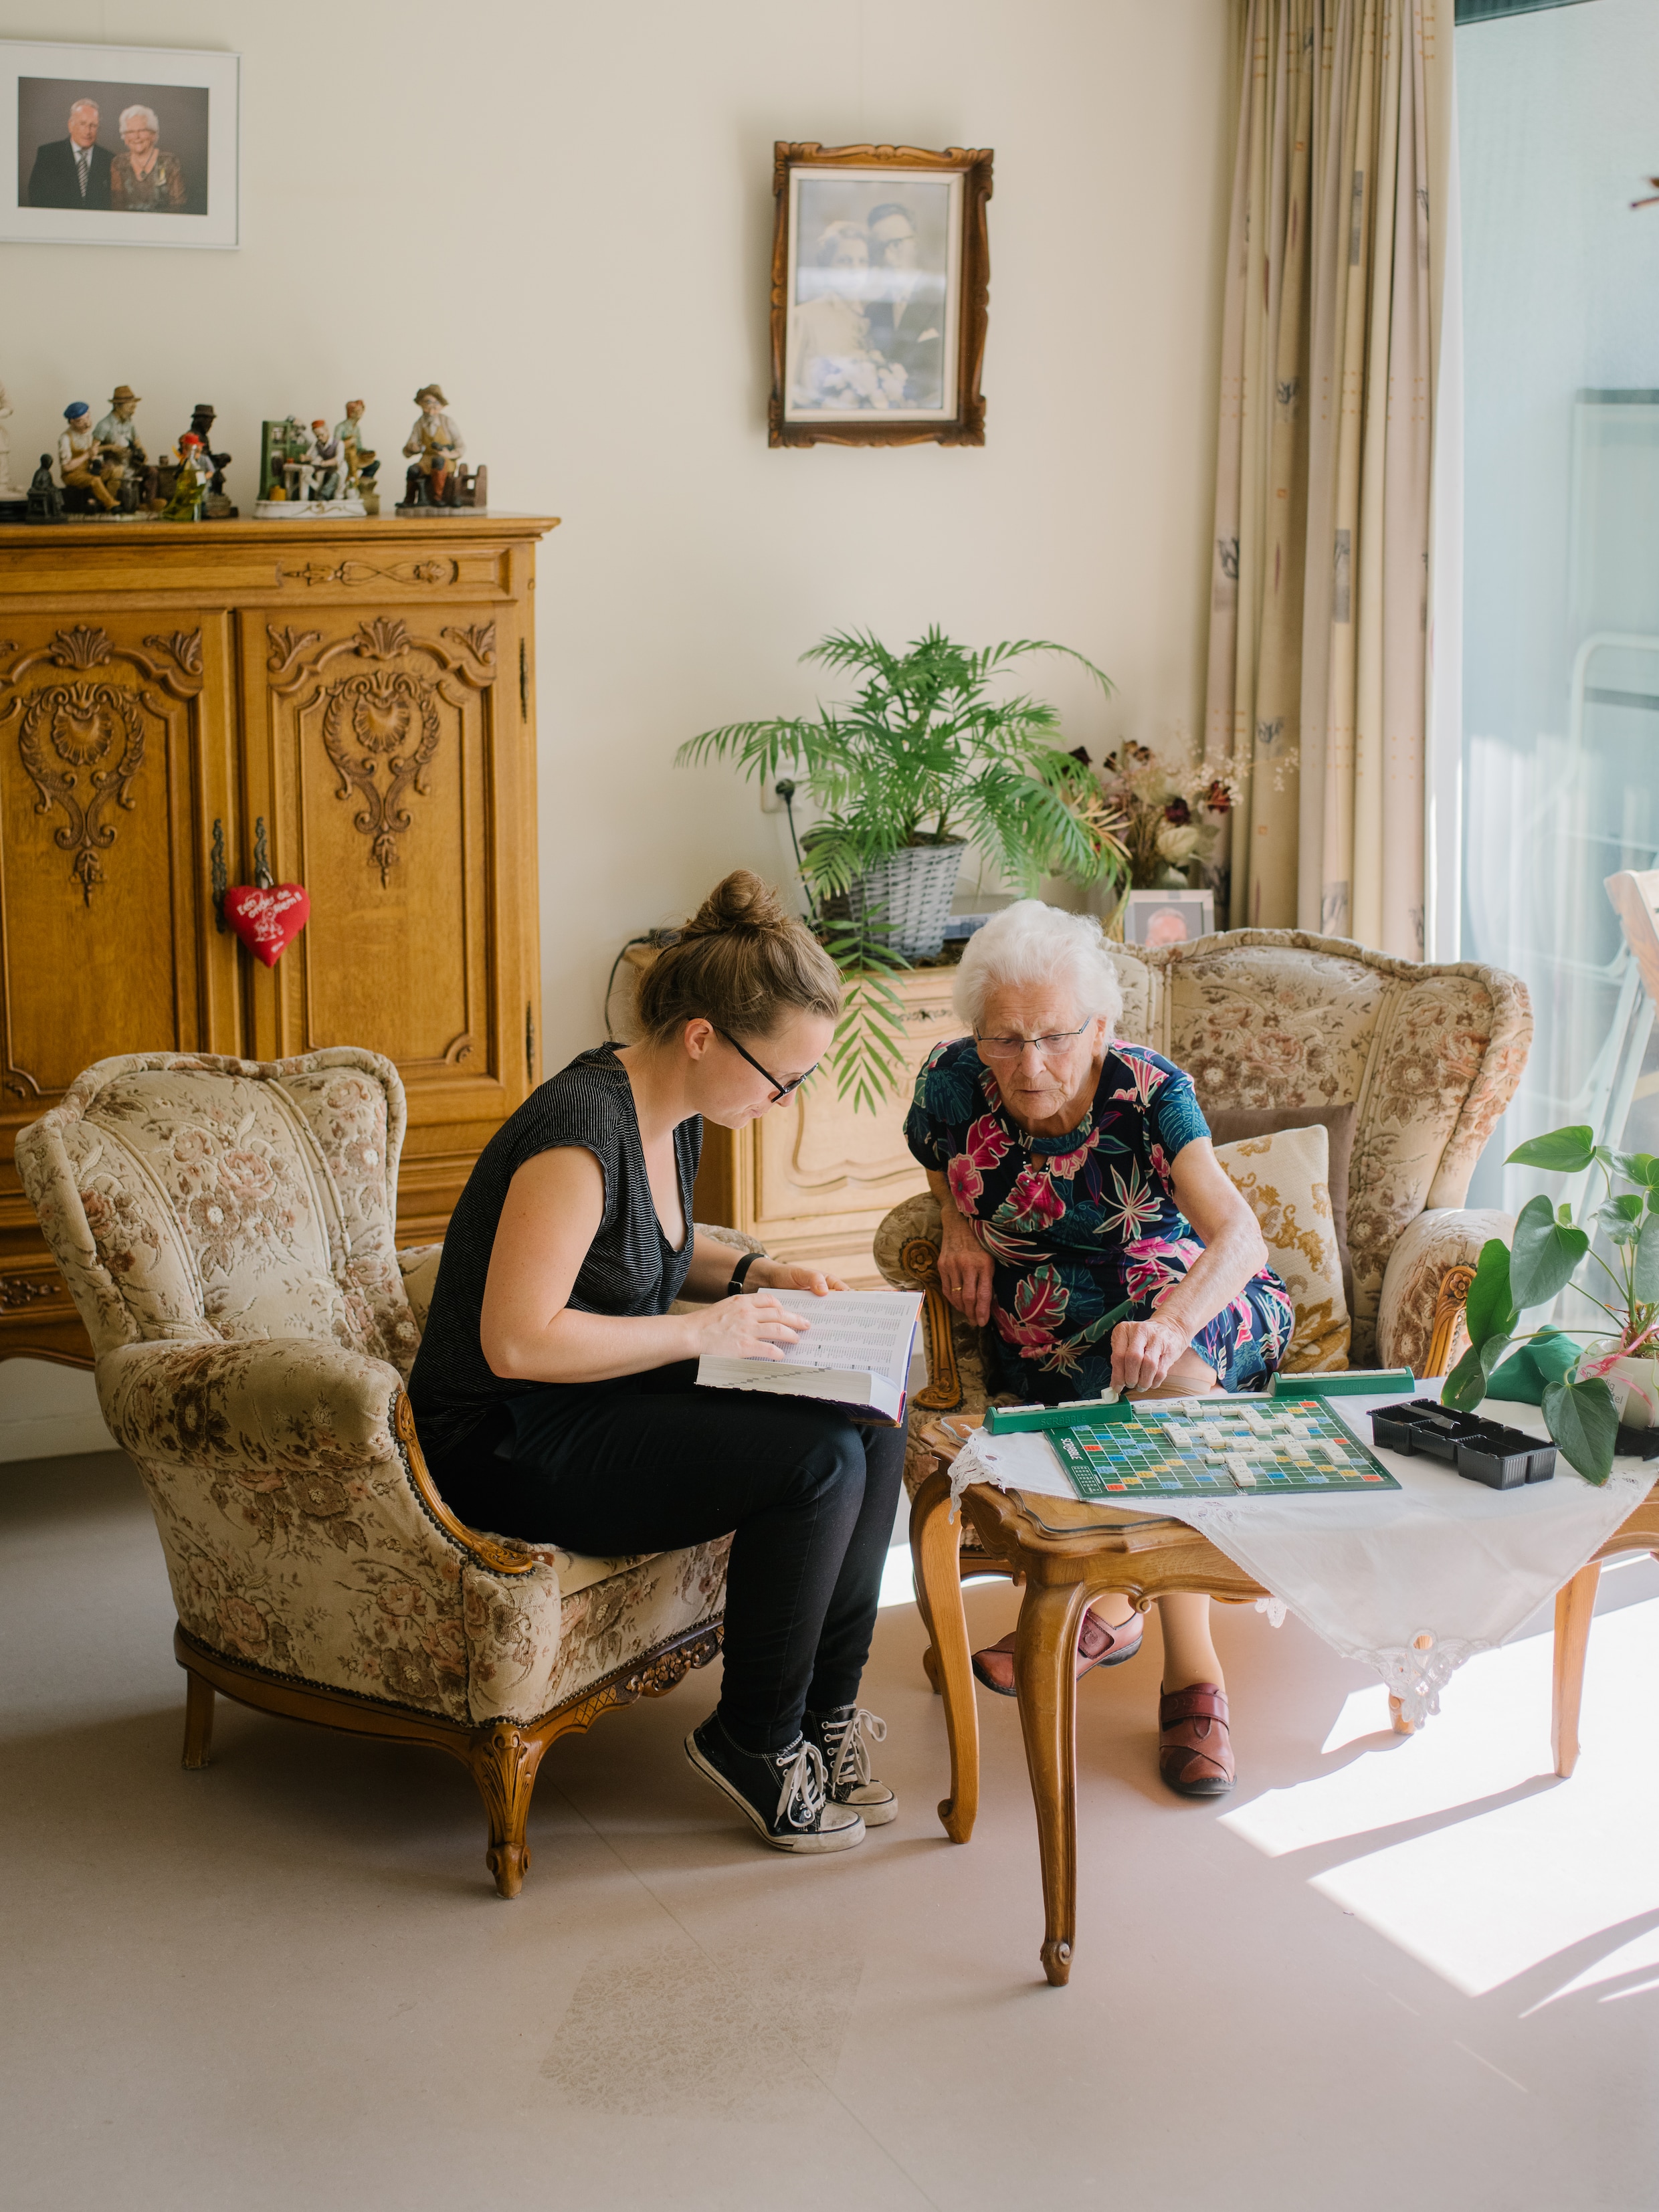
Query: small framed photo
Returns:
{"type": "Point", "coordinates": [118, 146]}
{"type": "Point", "coordinates": [881, 273]}
{"type": "Point", "coordinates": [1155, 918]}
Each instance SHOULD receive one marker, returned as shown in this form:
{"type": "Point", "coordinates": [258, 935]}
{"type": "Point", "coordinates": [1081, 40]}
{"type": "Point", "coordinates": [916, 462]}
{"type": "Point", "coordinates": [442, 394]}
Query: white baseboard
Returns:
{"type": "Point", "coordinates": [46, 1411]}
{"type": "Point", "coordinates": [54, 1437]}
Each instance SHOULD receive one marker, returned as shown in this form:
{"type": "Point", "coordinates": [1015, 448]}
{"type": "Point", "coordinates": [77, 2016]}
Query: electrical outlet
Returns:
{"type": "Point", "coordinates": [774, 794]}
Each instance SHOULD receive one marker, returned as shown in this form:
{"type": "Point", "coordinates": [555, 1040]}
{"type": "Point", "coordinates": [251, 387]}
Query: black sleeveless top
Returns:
{"type": "Point", "coordinates": [631, 1267]}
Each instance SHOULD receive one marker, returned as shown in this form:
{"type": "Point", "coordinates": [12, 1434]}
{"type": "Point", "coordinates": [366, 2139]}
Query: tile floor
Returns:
{"type": "Point", "coordinates": [1385, 1976]}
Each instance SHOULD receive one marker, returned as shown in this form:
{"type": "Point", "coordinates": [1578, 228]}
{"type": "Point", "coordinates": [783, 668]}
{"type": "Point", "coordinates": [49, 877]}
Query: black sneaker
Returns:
{"type": "Point", "coordinates": [841, 1735]}
{"type": "Point", "coordinates": [781, 1792]}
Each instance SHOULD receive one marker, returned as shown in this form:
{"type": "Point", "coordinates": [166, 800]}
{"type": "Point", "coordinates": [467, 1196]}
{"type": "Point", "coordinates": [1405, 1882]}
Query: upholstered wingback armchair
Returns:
{"type": "Point", "coordinates": [1274, 1018]}
{"type": "Point", "coordinates": [225, 1227]}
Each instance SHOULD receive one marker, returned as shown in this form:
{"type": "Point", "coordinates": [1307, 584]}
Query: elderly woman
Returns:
{"type": "Point", "coordinates": [1087, 1221]}
{"type": "Point", "coordinates": [141, 180]}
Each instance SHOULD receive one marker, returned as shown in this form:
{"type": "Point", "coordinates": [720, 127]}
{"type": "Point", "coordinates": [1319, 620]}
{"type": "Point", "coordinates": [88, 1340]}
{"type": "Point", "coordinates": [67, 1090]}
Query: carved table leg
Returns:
{"type": "Point", "coordinates": [503, 1759]}
{"type": "Point", "coordinates": [935, 1541]}
{"type": "Point", "coordinates": [1045, 1674]}
{"type": "Point", "coordinates": [198, 1719]}
{"type": "Point", "coordinates": [1575, 1609]}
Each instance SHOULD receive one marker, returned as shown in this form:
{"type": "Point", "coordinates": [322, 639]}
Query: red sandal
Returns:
{"type": "Point", "coordinates": [1098, 1644]}
{"type": "Point", "coordinates": [1194, 1751]}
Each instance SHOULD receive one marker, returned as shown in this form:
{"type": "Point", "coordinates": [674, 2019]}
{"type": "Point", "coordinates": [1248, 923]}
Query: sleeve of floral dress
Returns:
{"type": "Point", "coordinates": [1175, 1115]}
{"type": "Point", "coordinates": [927, 1130]}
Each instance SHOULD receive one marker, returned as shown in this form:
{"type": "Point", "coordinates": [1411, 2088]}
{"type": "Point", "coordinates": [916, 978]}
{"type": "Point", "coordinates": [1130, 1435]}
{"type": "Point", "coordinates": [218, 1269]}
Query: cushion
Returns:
{"type": "Point", "coordinates": [1283, 1176]}
{"type": "Point", "coordinates": [1229, 1123]}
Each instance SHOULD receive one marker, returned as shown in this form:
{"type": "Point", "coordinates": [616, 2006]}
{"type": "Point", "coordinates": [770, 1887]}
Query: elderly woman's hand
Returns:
{"type": "Point", "coordinates": [1143, 1352]}
{"type": "Point", "coordinates": [964, 1274]}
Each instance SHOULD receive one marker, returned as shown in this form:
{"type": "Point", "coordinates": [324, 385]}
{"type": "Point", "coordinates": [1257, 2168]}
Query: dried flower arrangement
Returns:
{"type": "Point", "coordinates": [1168, 818]}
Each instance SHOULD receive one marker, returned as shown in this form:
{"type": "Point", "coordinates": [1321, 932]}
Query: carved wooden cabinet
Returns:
{"type": "Point", "coordinates": [813, 1179]}
{"type": "Point", "coordinates": [351, 705]}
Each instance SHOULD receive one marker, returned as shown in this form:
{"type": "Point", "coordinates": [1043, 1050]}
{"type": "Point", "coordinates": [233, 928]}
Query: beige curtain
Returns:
{"type": "Point", "coordinates": [1319, 608]}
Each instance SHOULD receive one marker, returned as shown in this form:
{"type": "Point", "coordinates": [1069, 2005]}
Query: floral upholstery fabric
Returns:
{"type": "Point", "coordinates": [226, 1228]}
{"type": "Point", "coordinates": [1448, 1236]}
{"type": "Point", "coordinates": [1429, 1055]}
{"type": "Point", "coordinates": [1282, 1179]}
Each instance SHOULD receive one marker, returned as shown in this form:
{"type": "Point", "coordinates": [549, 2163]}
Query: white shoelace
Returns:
{"type": "Point", "coordinates": [846, 1741]}
{"type": "Point", "coordinates": [802, 1797]}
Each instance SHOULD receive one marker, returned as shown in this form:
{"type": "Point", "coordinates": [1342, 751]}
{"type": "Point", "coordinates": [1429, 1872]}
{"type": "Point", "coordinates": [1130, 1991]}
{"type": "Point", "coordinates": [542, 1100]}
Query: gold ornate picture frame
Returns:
{"type": "Point", "coordinates": [881, 278]}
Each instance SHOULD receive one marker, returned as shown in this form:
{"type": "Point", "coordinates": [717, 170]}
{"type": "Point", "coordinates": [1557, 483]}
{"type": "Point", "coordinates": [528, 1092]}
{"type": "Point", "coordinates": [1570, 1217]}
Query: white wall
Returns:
{"type": "Point", "coordinates": [563, 212]}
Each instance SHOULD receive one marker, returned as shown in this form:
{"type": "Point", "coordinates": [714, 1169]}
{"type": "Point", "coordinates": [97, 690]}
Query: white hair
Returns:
{"type": "Point", "coordinates": [144, 115]}
{"type": "Point", "coordinates": [1038, 946]}
{"type": "Point", "coordinates": [75, 106]}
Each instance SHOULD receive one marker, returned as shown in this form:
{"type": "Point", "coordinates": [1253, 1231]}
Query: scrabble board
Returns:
{"type": "Point", "coordinates": [1216, 1447]}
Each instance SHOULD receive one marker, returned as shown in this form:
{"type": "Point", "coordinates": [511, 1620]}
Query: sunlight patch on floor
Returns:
{"type": "Point", "coordinates": [1486, 1895]}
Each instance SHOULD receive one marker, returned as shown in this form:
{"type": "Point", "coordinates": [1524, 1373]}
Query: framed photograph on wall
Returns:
{"type": "Point", "coordinates": [118, 145]}
{"type": "Point", "coordinates": [1155, 918]}
{"type": "Point", "coordinates": [881, 274]}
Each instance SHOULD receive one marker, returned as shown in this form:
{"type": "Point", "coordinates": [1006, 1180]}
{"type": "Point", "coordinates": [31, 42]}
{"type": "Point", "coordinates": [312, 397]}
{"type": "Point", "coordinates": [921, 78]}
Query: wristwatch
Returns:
{"type": "Point", "coordinates": [739, 1272]}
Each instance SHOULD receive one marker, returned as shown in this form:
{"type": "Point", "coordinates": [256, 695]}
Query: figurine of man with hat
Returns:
{"type": "Point", "coordinates": [124, 456]}
{"type": "Point", "coordinates": [80, 456]}
{"type": "Point", "coordinates": [434, 444]}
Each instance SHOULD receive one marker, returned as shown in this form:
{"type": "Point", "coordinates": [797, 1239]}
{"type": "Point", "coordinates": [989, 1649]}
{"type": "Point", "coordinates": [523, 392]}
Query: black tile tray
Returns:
{"type": "Point", "coordinates": [1482, 1451]}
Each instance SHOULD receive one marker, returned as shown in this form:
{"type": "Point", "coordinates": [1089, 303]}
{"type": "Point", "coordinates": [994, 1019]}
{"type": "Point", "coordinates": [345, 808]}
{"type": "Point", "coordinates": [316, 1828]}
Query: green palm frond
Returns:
{"type": "Point", "coordinates": [930, 748]}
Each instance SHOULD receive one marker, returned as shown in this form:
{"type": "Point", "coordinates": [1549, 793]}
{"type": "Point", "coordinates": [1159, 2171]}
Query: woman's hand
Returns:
{"type": "Point", "coordinates": [787, 1275]}
{"type": "Point", "coordinates": [964, 1272]}
{"type": "Point", "coordinates": [743, 1327]}
{"type": "Point", "coordinates": [1143, 1352]}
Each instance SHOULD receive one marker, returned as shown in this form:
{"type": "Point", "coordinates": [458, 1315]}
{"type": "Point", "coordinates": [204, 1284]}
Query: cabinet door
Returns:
{"type": "Point", "coordinates": [393, 771]}
{"type": "Point", "coordinates": [111, 790]}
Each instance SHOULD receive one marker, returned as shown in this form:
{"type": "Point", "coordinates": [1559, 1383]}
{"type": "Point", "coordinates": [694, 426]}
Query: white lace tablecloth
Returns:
{"type": "Point", "coordinates": [1413, 1580]}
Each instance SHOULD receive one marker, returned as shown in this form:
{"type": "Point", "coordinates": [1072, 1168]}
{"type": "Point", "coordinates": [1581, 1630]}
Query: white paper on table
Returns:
{"type": "Point", "coordinates": [1413, 1580]}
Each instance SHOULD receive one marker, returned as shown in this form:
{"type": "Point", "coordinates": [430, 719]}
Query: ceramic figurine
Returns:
{"type": "Point", "coordinates": [190, 489]}
{"type": "Point", "coordinates": [11, 494]}
{"type": "Point", "coordinates": [433, 448]}
{"type": "Point", "coordinates": [80, 461]}
{"type": "Point", "coordinates": [362, 464]}
{"type": "Point", "coordinates": [304, 473]}
{"type": "Point", "coordinates": [127, 470]}
{"type": "Point", "coordinates": [45, 501]}
{"type": "Point", "coordinates": [217, 507]}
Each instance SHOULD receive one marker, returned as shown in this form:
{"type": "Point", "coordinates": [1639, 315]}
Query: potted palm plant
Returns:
{"type": "Point", "coordinates": [922, 762]}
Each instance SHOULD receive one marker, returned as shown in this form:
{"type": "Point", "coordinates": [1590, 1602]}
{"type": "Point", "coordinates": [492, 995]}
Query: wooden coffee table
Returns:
{"type": "Point", "coordinates": [1067, 1553]}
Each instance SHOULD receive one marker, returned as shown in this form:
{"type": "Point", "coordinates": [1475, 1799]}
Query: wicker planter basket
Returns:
{"type": "Point", "coordinates": [911, 892]}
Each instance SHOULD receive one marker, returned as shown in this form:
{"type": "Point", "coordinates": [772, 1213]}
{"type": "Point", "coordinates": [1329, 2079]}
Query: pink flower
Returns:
{"type": "Point", "coordinates": [986, 1143]}
{"type": "Point", "coordinates": [1033, 1203]}
{"type": "Point", "coordinates": [1144, 1079]}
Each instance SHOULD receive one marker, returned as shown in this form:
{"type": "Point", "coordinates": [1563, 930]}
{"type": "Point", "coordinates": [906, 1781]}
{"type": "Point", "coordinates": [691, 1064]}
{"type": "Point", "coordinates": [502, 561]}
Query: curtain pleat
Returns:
{"type": "Point", "coordinates": [1319, 595]}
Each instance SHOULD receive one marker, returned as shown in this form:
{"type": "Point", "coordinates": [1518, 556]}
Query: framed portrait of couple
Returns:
{"type": "Point", "coordinates": [881, 272]}
{"type": "Point", "coordinates": [118, 146]}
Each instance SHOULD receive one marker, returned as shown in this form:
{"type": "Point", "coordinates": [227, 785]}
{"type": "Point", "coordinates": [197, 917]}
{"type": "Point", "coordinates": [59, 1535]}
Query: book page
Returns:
{"type": "Point", "coordinates": [865, 1332]}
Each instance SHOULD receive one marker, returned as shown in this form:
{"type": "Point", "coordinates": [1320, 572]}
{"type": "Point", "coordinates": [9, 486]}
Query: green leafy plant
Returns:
{"type": "Point", "coordinates": [1549, 1249]}
{"type": "Point", "coordinates": [925, 754]}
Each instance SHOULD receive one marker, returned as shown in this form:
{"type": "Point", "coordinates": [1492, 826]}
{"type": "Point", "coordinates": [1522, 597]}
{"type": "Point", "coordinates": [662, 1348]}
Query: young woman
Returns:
{"type": "Point", "coordinates": [554, 1390]}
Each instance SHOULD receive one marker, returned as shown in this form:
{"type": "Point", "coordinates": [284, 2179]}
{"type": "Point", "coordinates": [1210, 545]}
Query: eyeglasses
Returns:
{"type": "Point", "coordinates": [779, 1090]}
{"type": "Point", "coordinates": [1010, 1048]}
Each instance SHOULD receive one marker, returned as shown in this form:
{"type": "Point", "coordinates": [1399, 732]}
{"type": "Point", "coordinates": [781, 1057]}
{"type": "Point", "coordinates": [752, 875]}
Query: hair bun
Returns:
{"type": "Point", "coordinates": [741, 902]}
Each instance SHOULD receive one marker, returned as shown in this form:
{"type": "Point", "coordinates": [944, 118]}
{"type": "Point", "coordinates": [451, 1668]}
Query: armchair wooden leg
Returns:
{"type": "Point", "coordinates": [1046, 1678]}
{"type": "Point", "coordinates": [935, 1541]}
{"type": "Point", "coordinates": [198, 1719]}
{"type": "Point", "coordinates": [1575, 1609]}
{"type": "Point", "coordinates": [503, 1759]}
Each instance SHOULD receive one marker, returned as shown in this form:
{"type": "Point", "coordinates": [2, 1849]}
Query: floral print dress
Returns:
{"type": "Point", "coordinates": [1084, 1230]}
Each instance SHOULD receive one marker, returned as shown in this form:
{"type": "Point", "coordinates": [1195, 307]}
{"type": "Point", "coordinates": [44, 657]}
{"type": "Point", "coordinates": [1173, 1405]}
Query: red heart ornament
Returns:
{"type": "Point", "coordinates": [267, 920]}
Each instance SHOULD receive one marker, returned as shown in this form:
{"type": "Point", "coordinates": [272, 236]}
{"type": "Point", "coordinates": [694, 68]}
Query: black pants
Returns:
{"type": "Point", "coordinates": [637, 1467]}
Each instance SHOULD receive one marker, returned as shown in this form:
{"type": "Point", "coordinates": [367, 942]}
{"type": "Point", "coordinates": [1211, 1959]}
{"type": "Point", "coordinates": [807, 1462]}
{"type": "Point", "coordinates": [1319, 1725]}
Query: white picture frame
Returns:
{"type": "Point", "coordinates": [1152, 918]}
{"type": "Point", "coordinates": [189, 193]}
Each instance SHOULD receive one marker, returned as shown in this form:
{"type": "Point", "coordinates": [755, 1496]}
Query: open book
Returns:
{"type": "Point", "coordinates": [856, 1354]}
